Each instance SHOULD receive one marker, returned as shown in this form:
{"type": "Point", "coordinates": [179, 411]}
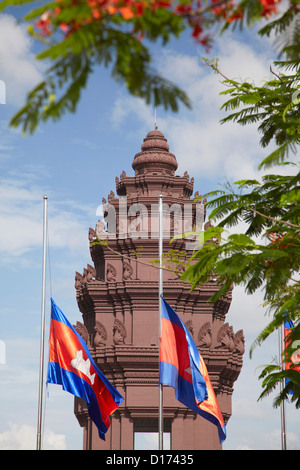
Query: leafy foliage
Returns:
{"type": "Point", "coordinates": [79, 35]}
{"type": "Point", "coordinates": [267, 255]}
{"type": "Point", "coordinates": [75, 58]}
{"type": "Point", "coordinates": [75, 61]}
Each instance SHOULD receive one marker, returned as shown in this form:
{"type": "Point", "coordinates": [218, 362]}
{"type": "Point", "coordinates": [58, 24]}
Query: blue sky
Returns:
{"type": "Point", "coordinates": [75, 162]}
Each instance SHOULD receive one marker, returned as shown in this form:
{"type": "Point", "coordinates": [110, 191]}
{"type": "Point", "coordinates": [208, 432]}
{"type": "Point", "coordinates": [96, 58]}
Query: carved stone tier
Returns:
{"type": "Point", "coordinates": [117, 295]}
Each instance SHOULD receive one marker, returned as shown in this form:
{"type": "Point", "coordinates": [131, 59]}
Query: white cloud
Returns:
{"type": "Point", "coordinates": [7, 144]}
{"type": "Point", "coordinates": [23, 437]}
{"type": "Point", "coordinates": [247, 311]}
{"type": "Point", "coordinates": [21, 219]}
{"type": "Point", "coordinates": [18, 68]}
{"type": "Point", "coordinates": [125, 106]}
{"type": "Point", "coordinates": [200, 141]}
{"type": "Point", "coordinates": [244, 409]}
{"type": "Point", "coordinates": [201, 144]}
{"type": "Point", "coordinates": [242, 61]}
{"type": "Point", "coordinates": [293, 441]}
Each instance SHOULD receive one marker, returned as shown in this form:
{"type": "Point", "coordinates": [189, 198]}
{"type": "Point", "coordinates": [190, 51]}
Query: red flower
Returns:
{"type": "Point", "coordinates": [270, 6]}
{"type": "Point", "coordinates": [64, 27]}
{"type": "Point", "coordinates": [44, 23]}
{"type": "Point", "coordinates": [183, 8]}
{"type": "Point", "coordinates": [197, 31]}
{"type": "Point", "coordinates": [235, 16]}
{"type": "Point", "coordinates": [96, 13]}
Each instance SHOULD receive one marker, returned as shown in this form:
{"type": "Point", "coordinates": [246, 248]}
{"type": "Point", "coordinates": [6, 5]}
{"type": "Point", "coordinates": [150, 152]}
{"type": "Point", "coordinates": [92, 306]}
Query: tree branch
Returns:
{"type": "Point", "coordinates": [272, 218]}
{"type": "Point", "coordinates": [271, 70]}
{"type": "Point", "coordinates": [210, 63]}
{"type": "Point", "coordinates": [135, 259]}
{"type": "Point", "coordinates": [204, 9]}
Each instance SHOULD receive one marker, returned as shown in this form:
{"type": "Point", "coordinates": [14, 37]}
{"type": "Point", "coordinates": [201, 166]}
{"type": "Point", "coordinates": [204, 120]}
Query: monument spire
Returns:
{"type": "Point", "coordinates": [155, 155]}
{"type": "Point", "coordinates": [118, 297]}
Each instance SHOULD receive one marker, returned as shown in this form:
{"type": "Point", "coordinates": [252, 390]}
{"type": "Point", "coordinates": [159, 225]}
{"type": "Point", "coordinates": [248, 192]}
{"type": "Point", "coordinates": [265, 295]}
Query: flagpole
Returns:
{"type": "Point", "coordinates": [42, 339]}
{"type": "Point", "coordinates": [282, 404]}
{"type": "Point", "coordinates": [160, 251]}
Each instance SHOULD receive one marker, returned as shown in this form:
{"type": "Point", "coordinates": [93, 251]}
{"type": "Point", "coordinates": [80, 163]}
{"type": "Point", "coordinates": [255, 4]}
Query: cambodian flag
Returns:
{"type": "Point", "coordinates": [182, 367]}
{"type": "Point", "coordinates": [294, 361]}
{"type": "Point", "coordinates": [71, 365]}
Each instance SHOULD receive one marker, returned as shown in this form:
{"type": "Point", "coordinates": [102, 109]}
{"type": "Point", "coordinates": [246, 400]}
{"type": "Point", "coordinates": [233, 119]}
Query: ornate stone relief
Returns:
{"type": "Point", "coordinates": [82, 330]}
{"type": "Point", "coordinates": [226, 337]}
{"type": "Point", "coordinates": [205, 335]}
{"type": "Point", "coordinates": [127, 270]}
{"type": "Point", "coordinates": [100, 334]}
{"type": "Point", "coordinates": [119, 332]}
{"type": "Point", "coordinates": [189, 325]}
{"type": "Point", "coordinates": [90, 273]}
{"type": "Point", "coordinates": [92, 235]}
{"type": "Point", "coordinates": [111, 196]}
{"type": "Point", "coordinates": [78, 281]}
{"type": "Point", "coordinates": [239, 342]}
{"type": "Point", "coordinates": [110, 273]}
{"type": "Point", "coordinates": [100, 229]}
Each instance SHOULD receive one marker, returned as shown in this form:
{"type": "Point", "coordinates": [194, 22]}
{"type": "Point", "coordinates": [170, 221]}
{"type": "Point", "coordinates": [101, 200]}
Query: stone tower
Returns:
{"type": "Point", "coordinates": [117, 295]}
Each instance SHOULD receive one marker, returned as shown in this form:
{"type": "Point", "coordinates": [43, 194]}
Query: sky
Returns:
{"type": "Point", "coordinates": [75, 162]}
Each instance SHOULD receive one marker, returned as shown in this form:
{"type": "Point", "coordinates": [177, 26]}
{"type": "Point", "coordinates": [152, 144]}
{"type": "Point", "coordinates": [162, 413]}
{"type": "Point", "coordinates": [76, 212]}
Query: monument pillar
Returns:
{"type": "Point", "coordinates": [117, 294]}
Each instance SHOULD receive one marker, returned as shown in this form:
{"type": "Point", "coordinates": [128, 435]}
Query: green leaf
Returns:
{"type": "Point", "coordinates": [252, 98]}
{"type": "Point", "coordinates": [241, 239]}
{"type": "Point", "coordinates": [291, 197]}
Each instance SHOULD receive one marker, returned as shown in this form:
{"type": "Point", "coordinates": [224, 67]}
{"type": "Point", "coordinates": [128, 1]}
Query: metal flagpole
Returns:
{"type": "Point", "coordinates": [42, 340]}
{"type": "Point", "coordinates": [282, 404]}
{"type": "Point", "coordinates": [160, 251]}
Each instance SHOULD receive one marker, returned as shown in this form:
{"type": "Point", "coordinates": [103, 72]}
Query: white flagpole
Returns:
{"type": "Point", "coordinates": [282, 404]}
{"type": "Point", "coordinates": [42, 340]}
{"type": "Point", "coordinates": [160, 250]}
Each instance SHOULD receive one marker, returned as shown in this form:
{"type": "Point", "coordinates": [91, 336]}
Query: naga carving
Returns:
{"type": "Point", "coordinates": [127, 270]}
{"type": "Point", "coordinates": [100, 229]}
{"type": "Point", "coordinates": [100, 334]}
{"type": "Point", "coordinates": [110, 273]}
{"type": "Point", "coordinates": [119, 332]}
{"type": "Point", "coordinates": [226, 337]}
{"type": "Point", "coordinates": [82, 330]}
{"type": "Point", "coordinates": [239, 342]}
{"type": "Point", "coordinates": [205, 335]}
{"type": "Point", "coordinates": [78, 281]}
{"type": "Point", "coordinates": [90, 273]}
{"type": "Point", "coordinates": [189, 325]}
{"type": "Point", "coordinates": [92, 235]}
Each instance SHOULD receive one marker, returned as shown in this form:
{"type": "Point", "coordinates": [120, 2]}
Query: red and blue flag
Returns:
{"type": "Point", "coordinates": [72, 366]}
{"type": "Point", "coordinates": [292, 362]}
{"type": "Point", "coordinates": [182, 367]}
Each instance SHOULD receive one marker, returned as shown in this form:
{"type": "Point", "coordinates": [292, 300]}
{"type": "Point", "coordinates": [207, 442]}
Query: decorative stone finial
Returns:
{"type": "Point", "coordinates": [155, 155]}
